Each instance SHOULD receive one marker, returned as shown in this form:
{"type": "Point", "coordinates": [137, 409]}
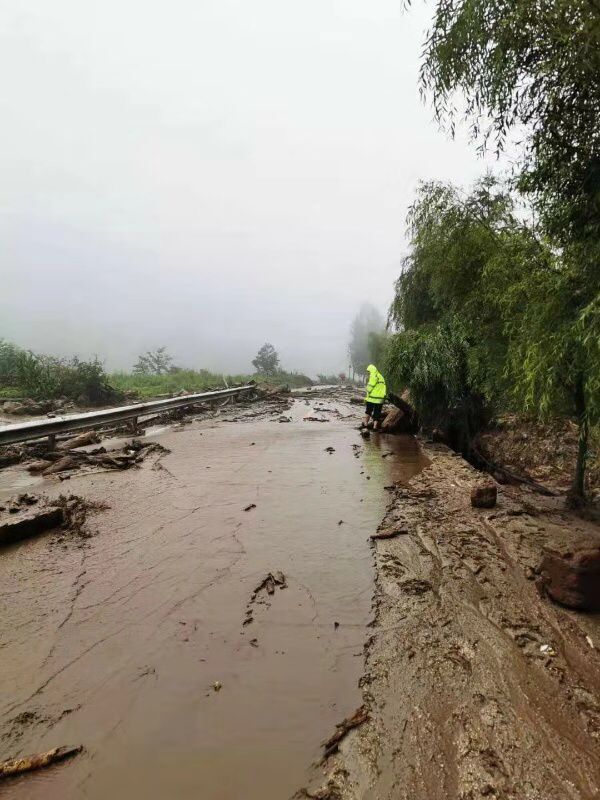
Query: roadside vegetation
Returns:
{"type": "Point", "coordinates": [40, 377]}
{"type": "Point", "coordinates": [498, 304]}
{"type": "Point", "coordinates": [190, 380]}
{"type": "Point", "coordinates": [27, 374]}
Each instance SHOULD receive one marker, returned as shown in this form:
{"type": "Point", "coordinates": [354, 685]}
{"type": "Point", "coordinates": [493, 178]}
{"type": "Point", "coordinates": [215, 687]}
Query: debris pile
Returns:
{"type": "Point", "coordinates": [132, 454]}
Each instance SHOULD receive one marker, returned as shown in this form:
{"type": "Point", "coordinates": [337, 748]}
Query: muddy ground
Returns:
{"type": "Point", "coordinates": [474, 685]}
{"type": "Point", "coordinates": [159, 643]}
{"type": "Point", "coordinates": [221, 615]}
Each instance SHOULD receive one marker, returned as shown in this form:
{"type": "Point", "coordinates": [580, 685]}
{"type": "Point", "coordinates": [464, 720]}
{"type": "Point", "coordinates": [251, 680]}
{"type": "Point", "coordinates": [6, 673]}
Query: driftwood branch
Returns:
{"type": "Point", "coordinates": [18, 766]}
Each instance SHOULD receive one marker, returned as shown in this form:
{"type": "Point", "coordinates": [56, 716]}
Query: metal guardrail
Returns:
{"type": "Point", "coordinates": [39, 428]}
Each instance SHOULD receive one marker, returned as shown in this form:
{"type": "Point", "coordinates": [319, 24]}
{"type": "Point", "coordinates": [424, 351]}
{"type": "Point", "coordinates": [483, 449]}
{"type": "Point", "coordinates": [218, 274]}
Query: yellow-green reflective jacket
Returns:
{"type": "Point", "coordinates": [376, 389]}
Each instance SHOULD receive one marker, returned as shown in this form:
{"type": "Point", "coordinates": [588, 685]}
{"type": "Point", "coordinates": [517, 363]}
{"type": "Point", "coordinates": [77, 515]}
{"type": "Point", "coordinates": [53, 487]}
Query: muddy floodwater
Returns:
{"type": "Point", "coordinates": [133, 644]}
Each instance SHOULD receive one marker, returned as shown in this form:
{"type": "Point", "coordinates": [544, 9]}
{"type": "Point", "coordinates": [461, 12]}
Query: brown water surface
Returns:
{"type": "Point", "coordinates": [115, 642]}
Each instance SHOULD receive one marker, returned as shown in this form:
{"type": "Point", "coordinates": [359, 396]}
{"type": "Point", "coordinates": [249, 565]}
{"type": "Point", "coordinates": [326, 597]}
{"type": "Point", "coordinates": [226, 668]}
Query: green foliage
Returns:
{"type": "Point", "coordinates": [432, 361]}
{"type": "Point", "coordinates": [47, 377]}
{"type": "Point", "coordinates": [536, 66]}
{"type": "Point", "coordinates": [267, 360]}
{"type": "Point", "coordinates": [154, 362]}
{"type": "Point", "coordinates": [463, 248]}
{"type": "Point", "coordinates": [530, 64]}
{"type": "Point", "coordinates": [515, 322]}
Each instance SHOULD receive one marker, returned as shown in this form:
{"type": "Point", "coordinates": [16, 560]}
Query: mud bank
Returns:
{"type": "Point", "coordinates": [474, 684]}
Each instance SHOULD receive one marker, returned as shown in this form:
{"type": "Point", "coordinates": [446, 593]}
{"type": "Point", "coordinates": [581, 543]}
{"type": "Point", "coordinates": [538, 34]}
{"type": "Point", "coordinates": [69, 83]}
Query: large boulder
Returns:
{"type": "Point", "coordinates": [572, 578]}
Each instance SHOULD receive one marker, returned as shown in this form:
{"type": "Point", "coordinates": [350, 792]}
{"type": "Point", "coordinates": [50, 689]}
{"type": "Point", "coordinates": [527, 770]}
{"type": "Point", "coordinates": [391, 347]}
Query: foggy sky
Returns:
{"type": "Point", "coordinates": [208, 174]}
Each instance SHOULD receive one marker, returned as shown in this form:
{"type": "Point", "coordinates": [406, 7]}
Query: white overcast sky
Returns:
{"type": "Point", "coordinates": [208, 174]}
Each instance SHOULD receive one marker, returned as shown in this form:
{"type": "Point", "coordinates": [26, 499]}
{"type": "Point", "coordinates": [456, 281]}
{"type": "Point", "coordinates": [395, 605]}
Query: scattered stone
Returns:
{"type": "Point", "coordinates": [484, 495]}
{"type": "Point", "coordinates": [250, 507]}
{"type": "Point", "coordinates": [330, 450]}
{"type": "Point", "coordinates": [217, 686]}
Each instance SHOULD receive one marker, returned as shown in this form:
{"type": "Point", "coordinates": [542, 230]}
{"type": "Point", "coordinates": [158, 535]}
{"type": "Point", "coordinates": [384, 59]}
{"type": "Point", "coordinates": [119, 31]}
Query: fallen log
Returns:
{"type": "Point", "coordinates": [81, 440]}
{"type": "Point", "coordinates": [17, 766]}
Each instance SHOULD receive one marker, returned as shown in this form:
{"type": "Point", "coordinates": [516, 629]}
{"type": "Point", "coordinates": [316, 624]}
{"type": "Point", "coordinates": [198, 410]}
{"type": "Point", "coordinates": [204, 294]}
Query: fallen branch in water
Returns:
{"type": "Point", "coordinates": [17, 766]}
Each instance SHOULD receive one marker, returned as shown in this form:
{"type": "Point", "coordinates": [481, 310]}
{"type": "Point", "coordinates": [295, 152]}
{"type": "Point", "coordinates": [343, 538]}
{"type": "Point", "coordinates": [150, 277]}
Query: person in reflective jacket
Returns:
{"type": "Point", "coordinates": [376, 394]}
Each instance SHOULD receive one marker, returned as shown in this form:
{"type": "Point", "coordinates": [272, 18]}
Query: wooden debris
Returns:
{"type": "Point", "coordinates": [18, 766]}
{"type": "Point", "coordinates": [390, 533]}
{"type": "Point", "coordinates": [342, 728]}
{"type": "Point", "coordinates": [81, 440]}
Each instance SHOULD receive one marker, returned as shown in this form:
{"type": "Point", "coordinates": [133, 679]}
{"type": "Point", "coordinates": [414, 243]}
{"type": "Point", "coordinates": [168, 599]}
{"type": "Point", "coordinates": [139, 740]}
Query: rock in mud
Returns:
{"type": "Point", "coordinates": [484, 495]}
{"type": "Point", "coordinates": [573, 578]}
{"type": "Point", "coordinates": [29, 522]}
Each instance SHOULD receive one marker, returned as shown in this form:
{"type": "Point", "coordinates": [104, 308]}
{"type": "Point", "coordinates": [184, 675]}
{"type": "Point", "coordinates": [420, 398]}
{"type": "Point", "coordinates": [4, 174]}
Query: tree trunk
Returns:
{"type": "Point", "coordinates": [577, 492]}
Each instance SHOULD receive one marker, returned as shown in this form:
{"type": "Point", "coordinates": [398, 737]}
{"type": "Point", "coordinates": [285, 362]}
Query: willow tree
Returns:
{"type": "Point", "coordinates": [534, 67]}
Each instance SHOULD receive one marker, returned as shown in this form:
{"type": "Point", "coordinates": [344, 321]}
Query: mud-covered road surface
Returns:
{"type": "Point", "coordinates": [152, 644]}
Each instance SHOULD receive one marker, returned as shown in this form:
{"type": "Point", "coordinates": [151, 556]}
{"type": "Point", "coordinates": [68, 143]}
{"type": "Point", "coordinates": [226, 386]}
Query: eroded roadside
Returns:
{"type": "Point", "coordinates": [475, 685]}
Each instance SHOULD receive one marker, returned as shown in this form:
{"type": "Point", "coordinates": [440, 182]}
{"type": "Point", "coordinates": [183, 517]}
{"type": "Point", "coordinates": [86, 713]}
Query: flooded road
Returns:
{"type": "Point", "coordinates": [117, 642]}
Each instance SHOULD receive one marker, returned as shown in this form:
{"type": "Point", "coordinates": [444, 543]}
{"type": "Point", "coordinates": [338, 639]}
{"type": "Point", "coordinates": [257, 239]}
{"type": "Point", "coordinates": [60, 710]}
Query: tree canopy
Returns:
{"type": "Point", "coordinates": [154, 362]}
{"type": "Point", "coordinates": [267, 360]}
{"type": "Point", "coordinates": [488, 316]}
